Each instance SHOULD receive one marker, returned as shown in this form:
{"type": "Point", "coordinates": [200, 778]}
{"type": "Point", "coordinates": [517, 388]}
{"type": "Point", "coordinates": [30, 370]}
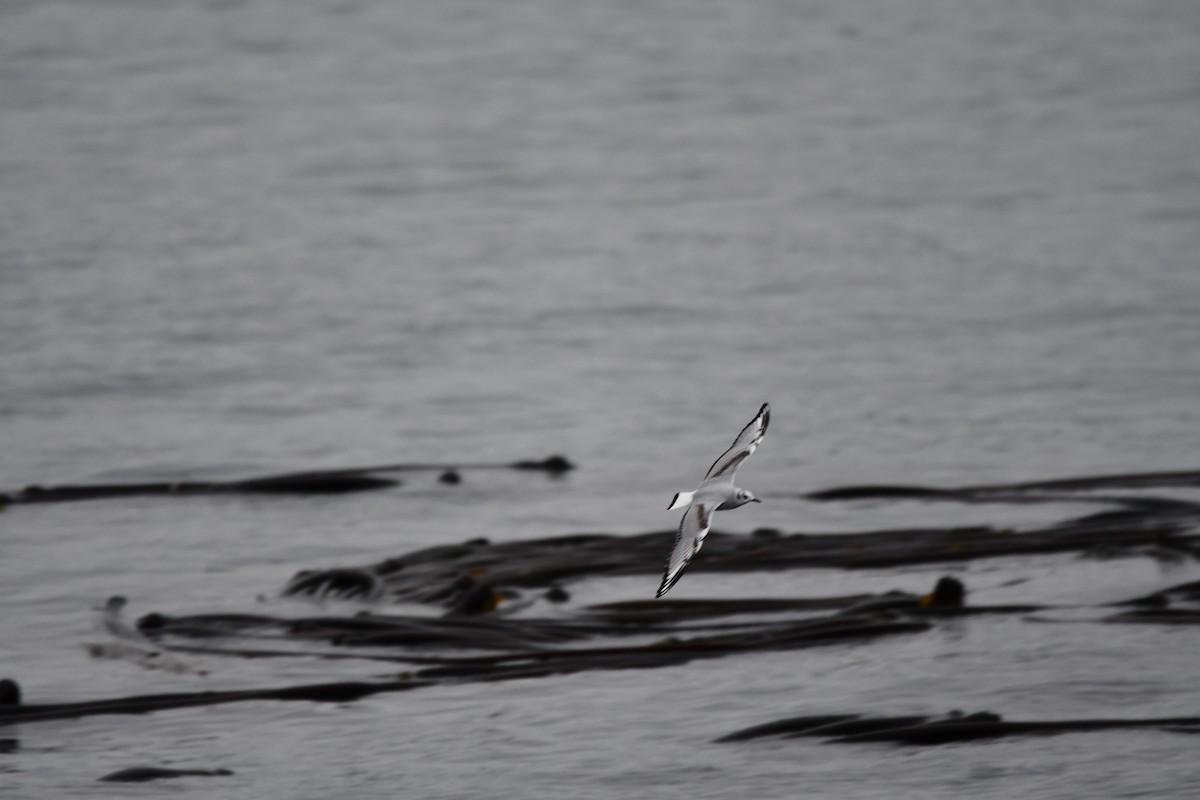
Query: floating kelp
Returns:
{"type": "Point", "coordinates": [1161, 616]}
{"type": "Point", "coordinates": [1175, 605]}
{"type": "Point", "coordinates": [336, 692]}
{"type": "Point", "coordinates": [947, 599]}
{"type": "Point", "coordinates": [822, 725]}
{"type": "Point", "coordinates": [660, 611]}
{"type": "Point", "coordinates": [483, 633]}
{"type": "Point", "coordinates": [333, 481]}
{"type": "Point", "coordinates": [306, 483]}
{"type": "Point", "coordinates": [1183, 593]}
{"type": "Point", "coordinates": [786, 727]}
{"type": "Point", "coordinates": [446, 574]}
{"type": "Point", "coordinates": [434, 651]}
{"type": "Point", "coordinates": [10, 692]}
{"type": "Point", "coordinates": [530, 663]}
{"type": "Point", "coordinates": [375, 630]}
{"type": "Point", "coordinates": [144, 774]}
{"type": "Point", "coordinates": [671, 651]}
{"type": "Point", "coordinates": [1030, 491]}
{"type": "Point", "coordinates": [954, 727]}
{"type": "Point", "coordinates": [520, 646]}
{"type": "Point", "coordinates": [552, 465]}
{"type": "Point", "coordinates": [418, 639]}
{"type": "Point", "coordinates": [589, 639]}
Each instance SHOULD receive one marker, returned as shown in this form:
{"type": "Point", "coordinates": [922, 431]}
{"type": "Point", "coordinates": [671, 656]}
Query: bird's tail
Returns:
{"type": "Point", "coordinates": [681, 500]}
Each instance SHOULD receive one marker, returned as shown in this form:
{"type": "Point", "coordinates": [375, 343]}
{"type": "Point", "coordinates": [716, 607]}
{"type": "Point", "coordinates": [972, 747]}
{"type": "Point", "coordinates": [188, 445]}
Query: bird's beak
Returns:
{"type": "Point", "coordinates": [755, 500]}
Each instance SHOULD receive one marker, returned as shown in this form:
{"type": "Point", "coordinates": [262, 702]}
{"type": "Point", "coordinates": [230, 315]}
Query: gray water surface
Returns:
{"type": "Point", "coordinates": [950, 242]}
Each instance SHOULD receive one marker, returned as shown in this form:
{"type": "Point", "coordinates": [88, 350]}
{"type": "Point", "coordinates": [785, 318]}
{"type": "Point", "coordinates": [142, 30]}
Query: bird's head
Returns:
{"type": "Point", "coordinates": [741, 497]}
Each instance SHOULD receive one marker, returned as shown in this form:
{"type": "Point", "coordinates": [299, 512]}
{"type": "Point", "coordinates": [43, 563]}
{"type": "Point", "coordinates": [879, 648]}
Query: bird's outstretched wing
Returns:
{"type": "Point", "coordinates": [692, 530]}
{"type": "Point", "coordinates": [743, 446]}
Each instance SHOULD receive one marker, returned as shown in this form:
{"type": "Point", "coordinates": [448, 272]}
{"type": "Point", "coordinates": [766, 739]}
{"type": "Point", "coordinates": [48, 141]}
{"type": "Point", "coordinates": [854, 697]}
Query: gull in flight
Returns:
{"type": "Point", "coordinates": [715, 493]}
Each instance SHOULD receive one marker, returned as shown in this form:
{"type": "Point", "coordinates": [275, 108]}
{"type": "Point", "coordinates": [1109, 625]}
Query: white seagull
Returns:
{"type": "Point", "coordinates": [715, 493]}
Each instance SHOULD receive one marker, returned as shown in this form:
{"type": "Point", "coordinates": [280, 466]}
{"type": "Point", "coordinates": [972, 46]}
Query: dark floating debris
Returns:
{"type": "Point", "coordinates": [784, 727]}
{"type": "Point", "coordinates": [947, 599]}
{"type": "Point", "coordinates": [538, 658]}
{"type": "Point", "coordinates": [474, 622]}
{"type": "Point", "coordinates": [590, 639]}
{"type": "Point", "coordinates": [477, 584]}
{"type": "Point", "coordinates": [435, 650]}
{"type": "Point", "coordinates": [522, 641]}
{"type": "Point", "coordinates": [335, 481]}
{"type": "Point", "coordinates": [1161, 616]}
{"type": "Point", "coordinates": [143, 774]}
{"type": "Point", "coordinates": [445, 574]}
{"type": "Point", "coordinates": [954, 727]}
{"type": "Point", "coordinates": [1176, 605]}
{"type": "Point", "coordinates": [337, 583]}
{"type": "Point", "coordinates": [342, 692]}
{"type": "Point", "coordinates": [507, 666]}
{"type": "Point", "coordinates": [640, 612]}
{"type": "Point", "coordinates": [555, 465]}
{"type": "Point", "coordinates": [1184, 592]}
{"type": "Point", "coordinates": [10, 692]}
{"type": "Point", "coordinates": [557, 594]}
{"type": "Point", "coordinates": [309, 483]}
{"type": "Point", "coordinates": [1025, 492]}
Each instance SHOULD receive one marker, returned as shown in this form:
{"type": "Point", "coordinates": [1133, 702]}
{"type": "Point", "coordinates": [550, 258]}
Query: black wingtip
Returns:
{"type": "Point", "coordinates": [667, 583]}
{"type": "Point", "coordinates": [671, 504]}
{"type": "Point", "coordinates": [670, 580]}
